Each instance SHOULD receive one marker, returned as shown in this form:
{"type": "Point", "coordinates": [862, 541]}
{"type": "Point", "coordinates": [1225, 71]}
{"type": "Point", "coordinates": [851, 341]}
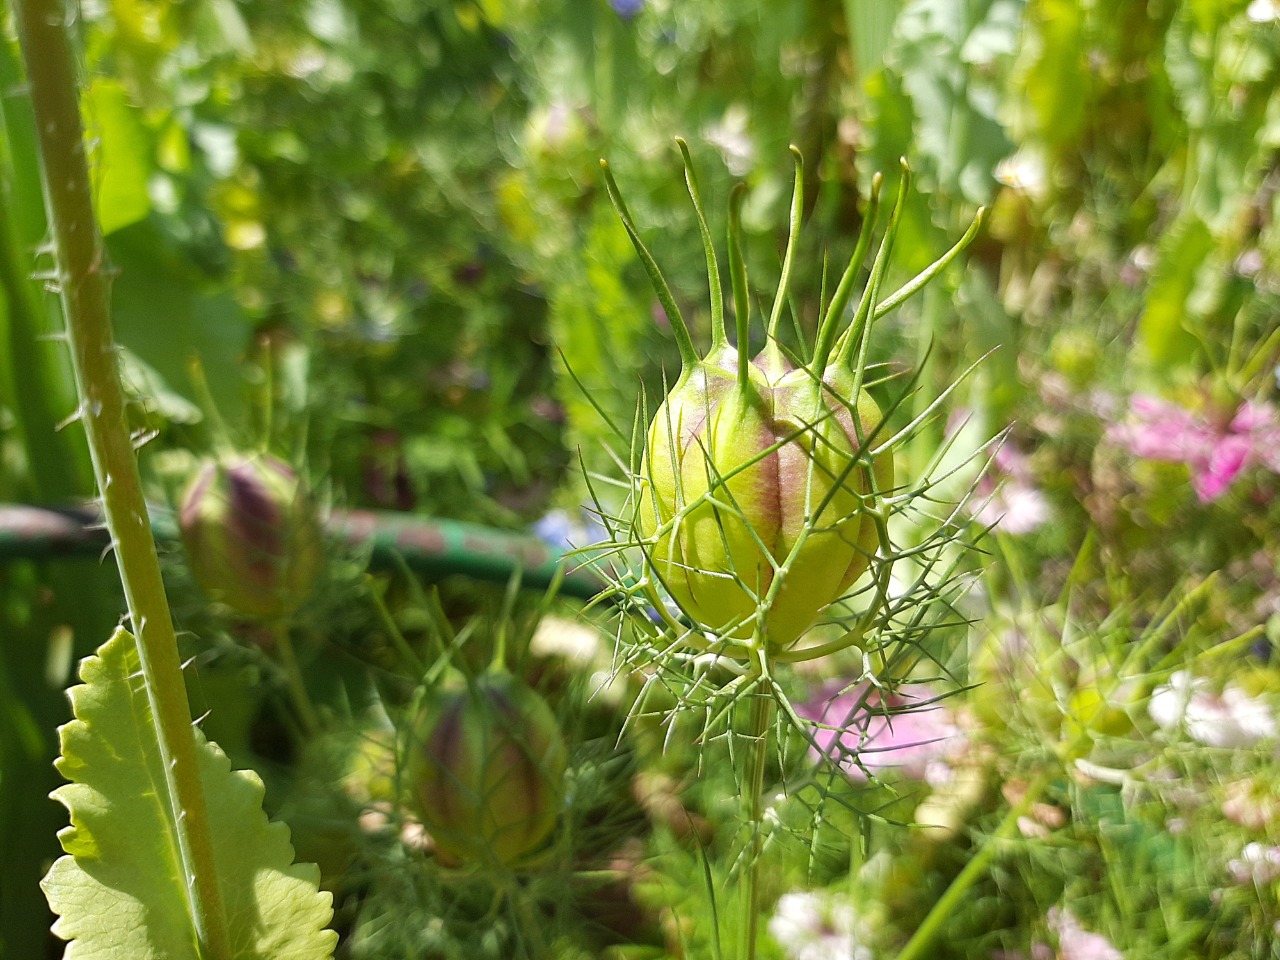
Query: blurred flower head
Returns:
{"type": "Point", "coordinates": [1257, 864]}
{"type": "Point", "coordinates": [1216, 451]}
{"type": "Point", "coordinates": [817, 926]}
{"type": "Point", "coordinates": [1251, 804]}
{"type": "Point", "coordinates": [1230, 719]}
{"type": "Point", "coordinates": [732, 137]}
{"type": "Point", "coordinates": [1264, 11]}
{"type": "Point", "coordinates": [1007, 496]}
{"type": "Point", "coordinates": [627, 9]}
{"type": "Point", "coordinates": [1077, 943]}
{"type": "Point", "coordinates": [862, 729]}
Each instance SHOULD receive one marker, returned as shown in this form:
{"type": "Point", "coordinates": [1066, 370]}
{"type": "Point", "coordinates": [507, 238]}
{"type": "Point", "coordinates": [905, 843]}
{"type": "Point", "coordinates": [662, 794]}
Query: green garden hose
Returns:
{"type": "Point", "coordinates": [433, 547]}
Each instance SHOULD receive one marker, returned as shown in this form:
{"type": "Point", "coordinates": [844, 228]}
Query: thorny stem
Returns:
{"type": "Point", "coordinates": [82, 280]}
{"type": "Point", "coordinates": [759, 719]}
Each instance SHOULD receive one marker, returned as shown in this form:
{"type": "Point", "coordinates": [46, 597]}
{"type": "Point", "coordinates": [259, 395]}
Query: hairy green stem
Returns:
{"type": "Point", "coordinates": [82, 280]}
{"type": "Point", "coordinates": [924, 936]}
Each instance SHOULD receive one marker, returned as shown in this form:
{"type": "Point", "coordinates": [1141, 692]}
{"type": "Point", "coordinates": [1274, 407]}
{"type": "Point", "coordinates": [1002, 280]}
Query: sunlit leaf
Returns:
{"type": "Point", "coordinates": [119, 892]}
{"type": "Point", "coordinates": [120, 154]}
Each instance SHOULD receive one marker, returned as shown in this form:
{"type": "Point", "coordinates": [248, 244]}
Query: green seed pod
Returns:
{"type": "Point", "coordinates": [759, 497]}
{"type": "Point", "coordinates": [252, 535]}
{"type": "Point", "coordinates": [827, 482]}
{"type": "Point", "coordinates": [749, 484]}
{"type": "Point", "coordinates": [710, 498]}
{"type": "Point", "coordinates": [756, 482]}
{"type": "Point", "coordinates": [486, 768]}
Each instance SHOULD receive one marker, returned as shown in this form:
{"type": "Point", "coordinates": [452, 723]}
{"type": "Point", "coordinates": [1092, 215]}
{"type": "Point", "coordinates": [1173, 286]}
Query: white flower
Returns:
{"type": "Point", "coordinates": [1264, 11]}
{"type": "Point", "coordinates": [817, 926]}
{"type": "Point", "coordinates": [1026, 172]}
{"type": "Point", "coordinates": [1257, 864]}
{"type": "Point", "coordinates": [731, 138]}
{"type": "Point", "coordinates": [1077, 943]}
{"type": "Point", "coordinates": [1233, 719]}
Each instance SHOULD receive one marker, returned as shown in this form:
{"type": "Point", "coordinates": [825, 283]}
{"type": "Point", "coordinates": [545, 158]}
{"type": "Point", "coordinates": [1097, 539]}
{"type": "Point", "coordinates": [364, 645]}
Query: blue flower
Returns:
{"type": "Point", "coordinates": [627, 9]}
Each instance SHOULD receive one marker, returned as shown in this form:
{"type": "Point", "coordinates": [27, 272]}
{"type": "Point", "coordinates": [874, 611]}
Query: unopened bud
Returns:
{"type": "Point", "coordinates": [486, 767]}
{"type": "Point", "coordinates": [251, 534]}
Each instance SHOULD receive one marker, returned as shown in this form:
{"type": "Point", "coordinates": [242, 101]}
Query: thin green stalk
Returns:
{"type": "Point", "coordinates": [82, 280]}
{"type": "Point", "coordinates": [738, 274]}
{"type": "Point", "coordinates": [793, 233]}
{"type": "Point", "coordinates": [411, 659]}
{"type": "Point", "coordinates": [760, 717]}
{"type": "Point", "coordinates": [924, 936]}
{"type": "Point", "coordinates": [293, 677]}
{"type": "Point", "coordinates": [688, 353]}
{"type": "Point", "coordinates": [718, 336]}
{"type": "Point", "coordinates": [38, 385]}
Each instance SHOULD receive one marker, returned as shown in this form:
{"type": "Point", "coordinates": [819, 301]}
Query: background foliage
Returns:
{"type": "Point", "coordinates": [380, 226]}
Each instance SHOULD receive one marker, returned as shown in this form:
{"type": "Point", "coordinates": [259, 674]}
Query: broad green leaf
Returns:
{"type": "Point", "coordinates": [119, 892]}
{"type": "Point", "coordinates": [1053, 69]}
{"type": "Point", "coordinates": [166, 310]}
{"type": "Point", "coordinates": [945, 54]}
{"type": "Point", "coordinates": [120, 153]}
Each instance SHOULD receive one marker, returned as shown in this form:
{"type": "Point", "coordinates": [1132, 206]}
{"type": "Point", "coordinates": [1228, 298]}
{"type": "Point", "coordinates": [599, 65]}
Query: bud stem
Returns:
{"type": "Point", "coordinates": [921, 279]}
{"type": "Point", "coordinates": [759, 719]}
{"type": "Point", "coordinates": [788, 258]}
{"type": "Point", "coordinates": [293, 677]}
{"type": "Point", "coordinates": [844, 289]}
{"type": "Point", "coordinates": [855, 337]}
{"type": "Point", "coordinates": [738, 275]}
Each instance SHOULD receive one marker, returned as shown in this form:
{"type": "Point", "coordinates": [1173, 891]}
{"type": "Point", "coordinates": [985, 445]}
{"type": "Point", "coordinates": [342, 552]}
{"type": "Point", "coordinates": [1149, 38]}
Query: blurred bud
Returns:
{"type": "Point", "coordinates": [1077, 355]}
{"type": "Point", "coordinates": [252, 535]}
{"type": "Point", "coordinates": [487, 767]}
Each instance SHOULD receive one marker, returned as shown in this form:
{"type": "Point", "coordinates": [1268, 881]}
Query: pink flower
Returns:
{"type": "Point", "coordinates": [907, 730]}
{"type": "Point", "coordinates": [1231, 719]}
{"type": "Point", "coordinates": [1216, 453]}
{"type": "Point", "coordinates": [1008, 498]}
{"type": "Point", "coordinates": [1077, 943]}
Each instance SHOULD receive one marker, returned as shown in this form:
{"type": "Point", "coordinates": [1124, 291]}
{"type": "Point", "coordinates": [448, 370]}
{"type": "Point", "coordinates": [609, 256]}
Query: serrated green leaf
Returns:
{"type": "Point", "coordinates": [119, 893]}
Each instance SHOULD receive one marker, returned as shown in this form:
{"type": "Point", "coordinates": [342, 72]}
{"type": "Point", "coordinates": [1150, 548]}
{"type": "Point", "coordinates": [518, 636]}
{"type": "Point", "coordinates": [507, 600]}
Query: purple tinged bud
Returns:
{"type": "Point", "coordinates": [252, 536]}
{"type": "Point", "coordinates": [486, 769]}
{"type": "Point", "coordinates": [746, 484]}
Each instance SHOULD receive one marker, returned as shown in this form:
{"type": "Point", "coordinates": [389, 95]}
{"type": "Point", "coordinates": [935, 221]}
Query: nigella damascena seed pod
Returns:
{"type": "Point", "coordinates": [756, 511]}
{"type": "Point", "coordinates": [760, 498]}
{"type": "Point", "coordinates": [486, 768]}
{"type": "Point", "coordinates": [252, 536]}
